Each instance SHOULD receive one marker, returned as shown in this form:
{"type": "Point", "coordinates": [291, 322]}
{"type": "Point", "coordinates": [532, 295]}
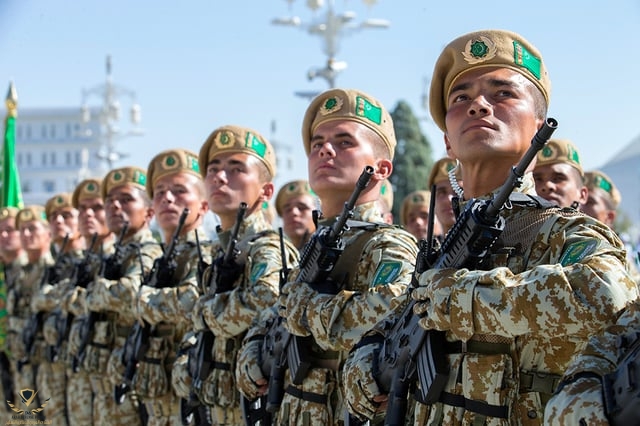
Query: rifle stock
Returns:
{"type": "Point", "coordinates": [412, 354]}
{"type": "Point", "coordinates": [137, 343]}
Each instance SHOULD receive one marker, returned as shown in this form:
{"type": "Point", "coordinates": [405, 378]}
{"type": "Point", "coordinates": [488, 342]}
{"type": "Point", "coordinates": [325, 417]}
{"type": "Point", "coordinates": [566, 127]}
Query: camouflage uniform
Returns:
{"type": "Point", "coordinates": [375, 267]}
{"type": "Point", "coordinates": [51, 378]}
{"type": "Point", "coordinates": [167, 311]}
{"type": "Point", "coordinates": [562, 280]}
{"type": "Point", "coordinates": [80, 395]}
{"type": "Point", "coordinates": [229, 314]}
{"type": "Point", "coordinates": [113, 302]}
{"type": "Point", "coordinates": [20, 314]}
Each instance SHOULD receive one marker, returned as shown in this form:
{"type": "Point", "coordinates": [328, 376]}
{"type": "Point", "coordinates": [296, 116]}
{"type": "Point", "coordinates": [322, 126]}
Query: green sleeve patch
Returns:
{"type": "Point", "coordinates": [386, 273]}
{"type": "Point", "coordinates": [578, 251]}
{"type": "Point", "coordinates": [257, 271]}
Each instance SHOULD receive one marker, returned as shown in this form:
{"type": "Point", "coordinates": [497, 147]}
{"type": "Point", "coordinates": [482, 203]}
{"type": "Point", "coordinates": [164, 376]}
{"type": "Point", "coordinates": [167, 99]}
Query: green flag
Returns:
{"type": "Point", "coordinates": [11, 192]}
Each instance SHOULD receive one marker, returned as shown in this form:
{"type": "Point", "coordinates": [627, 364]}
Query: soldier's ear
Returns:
{"type": "Point", "coordinates": [383, 168]}
{"type": "Point", "coordinates": [267, 190]}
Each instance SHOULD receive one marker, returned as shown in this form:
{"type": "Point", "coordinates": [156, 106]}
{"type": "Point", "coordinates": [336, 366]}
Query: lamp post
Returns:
{"type": "Point", "coordinates": [330, 27]}
{"type": "Point", "coordinates": [108, 115]}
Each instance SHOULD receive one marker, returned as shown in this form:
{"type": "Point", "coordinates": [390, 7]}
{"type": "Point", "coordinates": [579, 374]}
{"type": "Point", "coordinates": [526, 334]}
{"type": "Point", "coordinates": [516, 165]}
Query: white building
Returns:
{"type": "Point", "coordinates": [55, 150]}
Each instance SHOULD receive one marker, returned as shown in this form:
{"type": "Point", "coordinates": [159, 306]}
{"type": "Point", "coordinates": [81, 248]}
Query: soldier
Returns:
{"type": "Point", "coordinates": [12, 260]}
{"type": "Point", "coordinates": [600, 386]}
{"type": "Point", "coordinates": [414, 215]}
{"type": "Point", "coordinates": [512, 327]}
{"type": "Point", "coordinates": [111, 296]}
{"type": "Point", "coordinates": [92, 224]}
{"type": "Point", "coordinates": [165, 302]}
{"type": "Point", "coordinates": [558, 174]}
{"type": "Point", "coordinates": [344, 131]}
{"type": "Point", "coordinates": [444, 192]}
{"type": "Point", "coordinates": [35, 238]}
{"type": "Point", "coordinates": [295, 204]}
{"type": "Point", "coordinates": [238, 165]}
{"type": "Point", "coordinates": [63, 221]}
{"type": "Point", "coordinates": [602, 204]}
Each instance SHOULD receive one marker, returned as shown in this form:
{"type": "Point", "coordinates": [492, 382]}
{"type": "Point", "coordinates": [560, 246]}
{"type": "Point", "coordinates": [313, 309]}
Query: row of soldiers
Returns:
{"type": "Point", "coordinates": [116, 327]}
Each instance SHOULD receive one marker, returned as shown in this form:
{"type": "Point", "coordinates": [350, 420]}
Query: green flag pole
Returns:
{"type": "Point", "coordinates": [11, 191]}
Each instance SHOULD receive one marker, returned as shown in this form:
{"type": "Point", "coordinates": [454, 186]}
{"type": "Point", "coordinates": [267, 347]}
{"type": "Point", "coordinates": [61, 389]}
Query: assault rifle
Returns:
{"type": "Point", "coordinates": [110, 269]}
{"type": "Point", "coordinates": [137, 343]}
{"type": "Point", "coordinates": [621, 386]}
{"type": "Point", "coordinates": [84, 272]}
{"type": "Point", "coordinates": [319, 257]}
{"type": "Point", "coordinates": [51, 275]}
{"type": "Point", "coordinates": [412, 354]}
{"type": "Point", "coordinates": [200, 363]}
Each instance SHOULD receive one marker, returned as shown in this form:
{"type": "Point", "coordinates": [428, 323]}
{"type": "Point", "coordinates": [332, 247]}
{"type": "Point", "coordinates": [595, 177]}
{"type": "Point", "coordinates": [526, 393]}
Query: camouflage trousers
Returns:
{"type": "Point", "coordinates": [230, 416]}
{"type": "Point", "coordinates": [51, 382]}
{"type": "Point", "coordinates": [105, 410]}
{"type": "Point", "coordinates": [79, 398]}
{"type": "Point", "coordinates": [163, 410]}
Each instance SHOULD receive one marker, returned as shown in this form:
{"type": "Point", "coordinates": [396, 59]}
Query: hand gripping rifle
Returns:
{"type": "Point", "coordinates": [137, 343]}
{"type": "Point", "coordinates": [200, 362]}
{"type": "Point", "coordinates": [110, 268]}
{"type": "Point", "coordinates": [412, 354]}
{"type": "Point", "coordinates": [52, 275]}
{"type": "Point", "coordinates": [319, 257]}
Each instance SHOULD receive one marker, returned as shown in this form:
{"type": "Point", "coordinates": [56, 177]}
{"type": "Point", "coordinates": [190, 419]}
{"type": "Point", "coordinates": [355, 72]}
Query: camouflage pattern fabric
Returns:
{"type": "Point", "coordinates": [542, 299]}
{"type": "Point", "coordinates": [580, 400]}
{"type": "Point", "coordinates": [168, 311]}
{"type": "Point", "coordinates": [377, 275]}
{"type": "Point", "coordinates": [116, 299]}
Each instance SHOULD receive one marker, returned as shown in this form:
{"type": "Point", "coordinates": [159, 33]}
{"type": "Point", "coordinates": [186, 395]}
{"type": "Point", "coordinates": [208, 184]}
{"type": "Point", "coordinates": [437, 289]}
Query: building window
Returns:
{"type": "Point", "coordinates": [53, 158]}
{"type": "Point", "coordinates": [44, 131]}
{"type": "Point", "coordinates": [52, 131]}
{"type": "Point", "coordinates": [49, 186]}
{"type": "Point", "coordinates": [28, 159]}
{"type": "Point", "coordinates": [78, 158]}
{"type": "Point", "coordinates": [19, 134]}
{"type": "Point", "coordinates": [26, 186]}
{"type": "Point", "coordinates": [19, 159]}
{"type": "Point", "coordinates": [28, 131]}
{"type": "Point", "coordinates": [68, 130]}
{"type": "Point", "coordinates": [44, 158]}
{"type": "Point", "coordinates": [68, 158]}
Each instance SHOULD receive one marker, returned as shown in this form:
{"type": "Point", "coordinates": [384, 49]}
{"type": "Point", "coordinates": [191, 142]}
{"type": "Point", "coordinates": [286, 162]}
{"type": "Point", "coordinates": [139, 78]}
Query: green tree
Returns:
{"type": "Point", "coordinates": [414, 156]}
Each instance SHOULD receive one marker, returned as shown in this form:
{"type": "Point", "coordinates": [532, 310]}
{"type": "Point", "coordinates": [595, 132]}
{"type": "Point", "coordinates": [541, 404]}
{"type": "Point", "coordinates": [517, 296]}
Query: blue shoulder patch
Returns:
{"type": "Point", "coordinates": [257, 271]}
{"type": "Point", "coordinates": [386, 273]}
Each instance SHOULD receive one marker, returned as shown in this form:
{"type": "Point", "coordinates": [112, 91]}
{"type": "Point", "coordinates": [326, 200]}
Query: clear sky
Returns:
{"type": "Point", "coordinates": [199, 64]}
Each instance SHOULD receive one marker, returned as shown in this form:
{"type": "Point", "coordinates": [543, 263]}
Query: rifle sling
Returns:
{"type": "Point", "coordinates": [307, 396]}
{"type": "Point", "coordinates": [479, 407]}
{"type": "Point", "coordinates": [477, 347]}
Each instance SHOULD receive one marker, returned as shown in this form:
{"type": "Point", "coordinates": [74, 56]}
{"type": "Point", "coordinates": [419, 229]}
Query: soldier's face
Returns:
{"type": "Point", "coordinates": [596, 207]}
{"type": "Point", "coordinates": [127, 203]}
{"type": "Point", "coordinates": [444, 208]}
{"type": "Point", "coordinates": [63, 222]}
{"type": "Point", "coordinates": [560, 183]}
{"type": "Point", "coordinates": [297, 218]}
{"type": "Point", "coordinates": [34, 236]}
{"type": "Point", "coordinates": [491, 117]}
{"type": "Point", "coordinates": [171, 195]}
{"type": "Point", "coordinates": [417, 221]}
{"type": "Point", "coordinates": [340, 150]}
{"type": "Point", "coordinates": [232, 179]}
{"type": "Point", "coordinates": [9, 236]}
{"type": "Point", "coordinates": [92, 217]}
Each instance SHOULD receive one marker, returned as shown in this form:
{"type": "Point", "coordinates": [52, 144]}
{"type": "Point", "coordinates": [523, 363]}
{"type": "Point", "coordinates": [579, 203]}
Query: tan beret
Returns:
{"type": "Point", "coordinates": [236, 139]}
{"type": "Point", "coordinates": [30, 213]}
{"type": "Point", "coordinates": [122, 176]}
{"type": "Point", "coordinates": [6, 212]}
{"type": "Point", "coordinates": [386, 193]}
{"type": "Point", "coordinates": [484, 49]}
{"type": "Point", "coordinates": [416, 198]}
{"type": "Point", "coordinates": [595, 179]}
{"type": "Point", "coordinates": [88, 188]}
{"type": "Point", "coordinates": [292, 189]}
{"type": "Point", "coordinates": [440, 170]}
{"type": "Point", "coordinates": [559, 151]}
{"type": "Point", "coordinates": [169, 162]}
{"type": "Point", "coordinates": [348, 104]}
{"type": "Point", "coordinates": [58, 201]}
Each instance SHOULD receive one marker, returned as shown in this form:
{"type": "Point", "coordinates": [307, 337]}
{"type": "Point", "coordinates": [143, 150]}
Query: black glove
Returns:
{"type": "Point", "coordinates": [226, 274]}
{"type": "Point", "coordinates": [162, 274]}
